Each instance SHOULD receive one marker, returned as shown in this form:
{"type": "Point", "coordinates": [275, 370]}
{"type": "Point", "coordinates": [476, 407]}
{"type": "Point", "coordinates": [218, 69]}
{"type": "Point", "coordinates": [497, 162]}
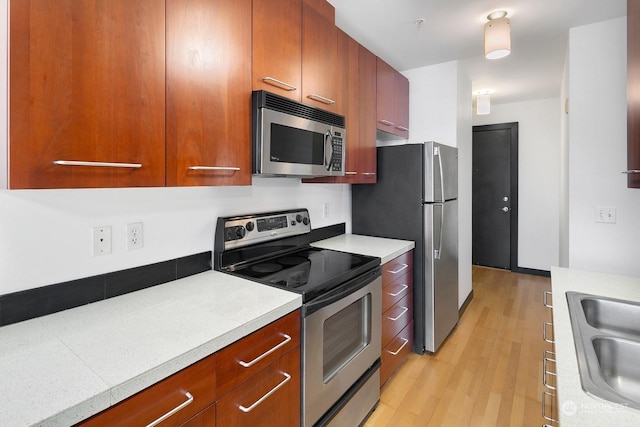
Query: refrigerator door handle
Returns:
{"type": "Point", "coordinates": [436, 152]}
{"type": "Point", "coordinates": [438, 251]}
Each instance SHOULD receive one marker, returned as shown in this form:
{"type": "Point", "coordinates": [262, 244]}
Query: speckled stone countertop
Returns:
{"type": "Point", "coordinates": [575, 406]}
{"type": "Point", "coordinates": [386, 249]}
{"type": "Point", "coordinates": [58, 369]}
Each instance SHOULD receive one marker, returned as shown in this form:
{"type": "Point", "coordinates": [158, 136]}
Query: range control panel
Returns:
{"type": "Point", "coordinates": [250, 229]}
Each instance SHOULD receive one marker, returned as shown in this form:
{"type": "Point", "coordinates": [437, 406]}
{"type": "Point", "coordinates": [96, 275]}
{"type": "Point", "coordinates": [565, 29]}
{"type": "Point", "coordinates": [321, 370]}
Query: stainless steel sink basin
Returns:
{"type": "Point", "coordinates": [607, 337]}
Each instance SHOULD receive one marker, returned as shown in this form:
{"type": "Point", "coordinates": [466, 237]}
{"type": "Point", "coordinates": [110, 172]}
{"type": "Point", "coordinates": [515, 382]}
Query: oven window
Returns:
{"type": "Point", "coordinates": [345, 334]}
{"type": "Point", "coordinates": [292, 145]}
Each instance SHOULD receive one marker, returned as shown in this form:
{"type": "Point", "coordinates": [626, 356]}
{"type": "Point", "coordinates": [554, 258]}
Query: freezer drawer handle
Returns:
{"type": "Point", "coordinates": [287, 377]}
{"type": "Point", "coordinates": [404, 288]}
{"type": "Point", "coordinates": [404, 267]}
{"type": "Point", "coordinates": [287, 338]}
{"type": "Point", "coordinates": [395, 353]}
{"type": "Point", "coordinates": [174, 410]}
{"type": "Point", "coordinates": [404, 310]}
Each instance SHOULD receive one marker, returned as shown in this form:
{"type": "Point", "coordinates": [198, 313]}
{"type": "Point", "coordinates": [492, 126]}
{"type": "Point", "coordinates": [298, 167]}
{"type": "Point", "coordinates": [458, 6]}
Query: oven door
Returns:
{"type": "Point", "coordinates": [341, 342]}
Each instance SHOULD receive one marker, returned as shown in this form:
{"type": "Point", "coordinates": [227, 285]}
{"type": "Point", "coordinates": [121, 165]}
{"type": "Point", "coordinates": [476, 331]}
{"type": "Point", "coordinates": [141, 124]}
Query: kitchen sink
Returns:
{"type": "Point", "coordinates": [607, 338]}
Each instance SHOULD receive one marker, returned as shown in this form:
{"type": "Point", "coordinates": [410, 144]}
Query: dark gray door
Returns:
{"type": "Point", "coordinates": [495, 196]}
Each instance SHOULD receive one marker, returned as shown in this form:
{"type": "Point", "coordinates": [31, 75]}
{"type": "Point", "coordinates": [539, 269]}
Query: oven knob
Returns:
{"type": "Point", "coordinates": [249, 226]}
{"type": "Point", "coordinates": [299, 218]}
{"type": "Point", "coordinates": [240, 232]}
{"type": "Point", "coordinates": [305, 220]}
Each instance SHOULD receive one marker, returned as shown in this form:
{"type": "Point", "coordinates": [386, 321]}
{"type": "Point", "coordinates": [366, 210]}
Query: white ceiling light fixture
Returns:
{"type": "Point", "coordinates": [483, 102]}
{"type": "Point", "coordinates": [497, 35]}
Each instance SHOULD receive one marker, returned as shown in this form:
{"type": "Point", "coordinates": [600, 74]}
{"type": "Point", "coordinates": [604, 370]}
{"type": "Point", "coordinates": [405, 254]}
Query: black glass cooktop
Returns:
{"type": "Point", "coordinates": [310, 272]}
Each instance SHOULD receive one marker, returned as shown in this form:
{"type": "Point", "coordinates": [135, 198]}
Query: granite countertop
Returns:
{"type": "Point", "coordinates": [386, 249]}
{"type": "Point", "coordinates": [575, 406]}
{"type": "Point", "coordinates": [58, 369]}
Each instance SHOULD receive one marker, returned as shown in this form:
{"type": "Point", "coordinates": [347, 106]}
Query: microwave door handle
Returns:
{"type": "Point", "coordinates": [329, 138]}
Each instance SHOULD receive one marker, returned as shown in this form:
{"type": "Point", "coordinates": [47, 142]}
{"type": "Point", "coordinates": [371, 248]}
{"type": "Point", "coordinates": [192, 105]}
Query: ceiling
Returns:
{"type": "Point", "coordinates": [453, 30]}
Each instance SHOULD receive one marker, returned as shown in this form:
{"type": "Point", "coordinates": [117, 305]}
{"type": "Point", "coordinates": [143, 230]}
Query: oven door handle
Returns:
{"type": "Point", "coordinates": [341, 292]}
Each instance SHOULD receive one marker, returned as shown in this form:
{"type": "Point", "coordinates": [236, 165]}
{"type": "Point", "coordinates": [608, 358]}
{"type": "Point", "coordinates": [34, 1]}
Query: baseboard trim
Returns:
{"type": "Point", "coordinates": [533, 272]}
{"type": "Point", "coordinates": [465, 304]}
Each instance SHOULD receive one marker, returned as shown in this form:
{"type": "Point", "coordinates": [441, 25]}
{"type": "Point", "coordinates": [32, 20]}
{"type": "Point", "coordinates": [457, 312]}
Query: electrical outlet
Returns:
{"type": "Point", "coordinates": [606, 214]}
{"type": "Point", "coordinates": [325, 210]}
{"type": "Point", "coordinates": [134, 236]}
{"type": "Point", "coordinates": [101, 240]}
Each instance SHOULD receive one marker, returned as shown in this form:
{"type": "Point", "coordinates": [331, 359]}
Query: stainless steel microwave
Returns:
{"type": "Point", "coordinates": [293, 139]}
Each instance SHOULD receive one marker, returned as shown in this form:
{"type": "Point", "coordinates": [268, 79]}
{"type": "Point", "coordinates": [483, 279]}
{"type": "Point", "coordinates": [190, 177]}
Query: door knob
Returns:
{"type": "Point", "coordinates": [505, 209]}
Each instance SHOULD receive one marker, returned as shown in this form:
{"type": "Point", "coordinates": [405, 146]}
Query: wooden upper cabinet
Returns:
{"type": "Point", "coordinates": [366, 110]}
{"type": "Point", "coordinates": [208, 92]}
{"type": "Point", "coordinates": [321, 76]}
{"type": "Point", "coordinates": [633, 93]}
{"type": "Point", "coordinates": [86, 84]}
{"type": "Point", "coordinates": [393, 101]}
{"type": "Point", "coordinates": [277, 47]}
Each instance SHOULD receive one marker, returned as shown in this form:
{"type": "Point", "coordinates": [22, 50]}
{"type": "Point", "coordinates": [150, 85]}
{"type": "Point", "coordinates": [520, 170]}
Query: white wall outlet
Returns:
{"type": "Point", "coordinates": [134, 236]}
{"type": "Point", "coordinates": [101, 240]}
{"type": "Point", "coordinates": [325, 210]}
{"type": "Point", "coordinates": [606, 214]}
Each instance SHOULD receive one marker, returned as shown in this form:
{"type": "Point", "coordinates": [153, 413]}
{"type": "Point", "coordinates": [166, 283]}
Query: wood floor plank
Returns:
{"type": "Point", "coordinates": [487, 373]}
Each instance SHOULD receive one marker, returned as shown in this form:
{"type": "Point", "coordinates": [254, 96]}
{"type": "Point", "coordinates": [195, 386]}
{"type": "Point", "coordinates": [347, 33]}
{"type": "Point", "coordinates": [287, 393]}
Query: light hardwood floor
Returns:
{"type": "Point", "coordinates": [488, 372]}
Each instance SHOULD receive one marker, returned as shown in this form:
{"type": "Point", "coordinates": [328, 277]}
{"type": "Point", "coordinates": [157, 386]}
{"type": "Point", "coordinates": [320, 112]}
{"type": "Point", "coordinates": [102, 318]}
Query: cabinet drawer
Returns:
{"type": "Point", "coordinates": [396, 290]}
{"type": "Point", "coordinates": [395, 352]}
{"type": "Point", "coordinates": [396, 318]}
{"type": "Point", "coordinates": [269, 398]}
{"type": "Point", "coordinates": [206, 418]}
{"type": "Point", "coordinates": [254, 352]}
{"type": "Point", "coordinates": [161, 398]}
{"type": "Point", "coordinates": [397, 267]}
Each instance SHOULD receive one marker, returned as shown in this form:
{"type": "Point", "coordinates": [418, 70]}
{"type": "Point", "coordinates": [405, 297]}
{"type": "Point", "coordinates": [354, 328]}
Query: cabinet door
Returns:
{"type": "Point", "coordinates": [367, 97]}
{"type": "Point", "coordinates": [276, 47]}
{"type": "Point", "coordinates": [208, 92]}
{"type": "Point", "coordinates": [87, 94]}
{"type": "Point", "coordinates": [633, 93]}
{"type": "Point", "coordinates": [385, 100]}
{"type": "Point", "coordinates": [321, 77]}
{"type": "Point", "coordinates": [401, 105]}
{"type": "Point", "coordinates": [269, 398]}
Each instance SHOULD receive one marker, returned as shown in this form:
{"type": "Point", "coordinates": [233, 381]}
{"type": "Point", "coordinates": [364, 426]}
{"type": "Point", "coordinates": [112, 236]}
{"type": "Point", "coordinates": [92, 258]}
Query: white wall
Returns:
{"type": "Point", "coordinates": [538, 177]}
{"type": "Point", "coordinates": [45, 235]}
{"type": "Point", "coordinates": [597, 148]}
{"type": "Point", "coordinates": [440, 110]}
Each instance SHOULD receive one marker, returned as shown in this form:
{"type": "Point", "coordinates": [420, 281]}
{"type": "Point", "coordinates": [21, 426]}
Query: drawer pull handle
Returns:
{"type": "Point", "coordinates": [97, 164]}
{"type": "Point", "coordinates": [351, 173]}
{"type": "Point", "coordinates": [368, 173]}
{"type": "Point", "coordinates": [546, 299]}
{"type": "Point", "coordinates": [402, 128]}
{"type": "Point", "coordinates": [287, 377]}
{"type": "Point", "coordinates": [278, 83]}
{"type": "Point", "coordinates": [213, 168]}
{"type": "Point", "coordinates": [631, 171]}
{"type": "Point", "coordinates": [545, 371]}
{"type": "Point", "coordinates": [321, 98]}
{"type": "Point", "coordinates": [395, 353]}
{"type": "Point", "coordinates": [404, 267]}
{"type": "Point", "coordinates": [287, 338]}
{"type": "Point", "coordinates": [404, 288]}
{"type": "Point", "coordinates": [387, 123]}
{"type": "Point", "coordinates": [544, 404]}
{"type": "Point", "coordinates": [404, 310]}
{"type": "Point", "coordinates": [544, 332]}
{"type": "Point", "coordinates": [174, 410]}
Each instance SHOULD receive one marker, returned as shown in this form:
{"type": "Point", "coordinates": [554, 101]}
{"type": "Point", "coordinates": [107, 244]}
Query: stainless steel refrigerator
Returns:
{"type": "Point", "coordinates": [415, 198]}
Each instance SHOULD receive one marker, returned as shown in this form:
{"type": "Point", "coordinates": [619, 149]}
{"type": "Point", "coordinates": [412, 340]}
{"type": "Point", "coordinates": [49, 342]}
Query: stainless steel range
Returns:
{"type": "Point", "coordinates": [341, 312]}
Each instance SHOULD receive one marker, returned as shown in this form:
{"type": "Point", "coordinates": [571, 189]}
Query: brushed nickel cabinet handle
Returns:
{"type": "Point", "coordinates": [545, 371]}
{"type": "Point", "coordinates": [287, 377]}
{"type": "Point", "coordinates": [279, 83]}
{"type": "Point", "coordinates": [544, 401]}
{"type": "Point", "coordinates": [404, 288]}
{"type": "Point", "coordinates": [213, 168]}
{"type": "Point", "coordinates": [545, 300]}
{"type": "Point", "coordinates": [544, 332]}
{"type": "Point", "coordinates": [395, 353]}
{"type": "Point", "coordinates": [97, 164]}
{"type": "Point", "coordinates": [404, 267]}
{"type": "Point", "coordinates": [321, 98]}
{"type": "Point", "coordinates": [287, 338]}
{"type": "Point", "coordinates": [631, 171]}
{"type": "Point", "coordinates": [404, 310]}
{"type": "Point", "coordinates": [402, 128]}
{"type": "Point", "coordinates": [351, 173]}
{"type": "Point", "coordinates": [368, 173]}
{"type": "Point", "coordinates": [173, 411]}
{"type": "Point", "coordinates": [387, 123]}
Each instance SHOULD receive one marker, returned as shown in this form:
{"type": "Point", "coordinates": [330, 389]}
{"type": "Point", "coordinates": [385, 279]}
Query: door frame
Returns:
{"type": "Point", "coordinates": [513, 128]}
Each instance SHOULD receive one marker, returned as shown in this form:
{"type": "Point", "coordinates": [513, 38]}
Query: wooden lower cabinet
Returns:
{"type": "Point", "coordinates": [397, 313]}
{"type": "Point", "coordinates": [269, 398]}
{"type": "Point", "coordinates": [267, 394]}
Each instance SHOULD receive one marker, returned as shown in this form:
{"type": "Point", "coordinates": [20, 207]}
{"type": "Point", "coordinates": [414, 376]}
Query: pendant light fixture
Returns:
{"type": "Point", "coordinates": [497, 35]}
